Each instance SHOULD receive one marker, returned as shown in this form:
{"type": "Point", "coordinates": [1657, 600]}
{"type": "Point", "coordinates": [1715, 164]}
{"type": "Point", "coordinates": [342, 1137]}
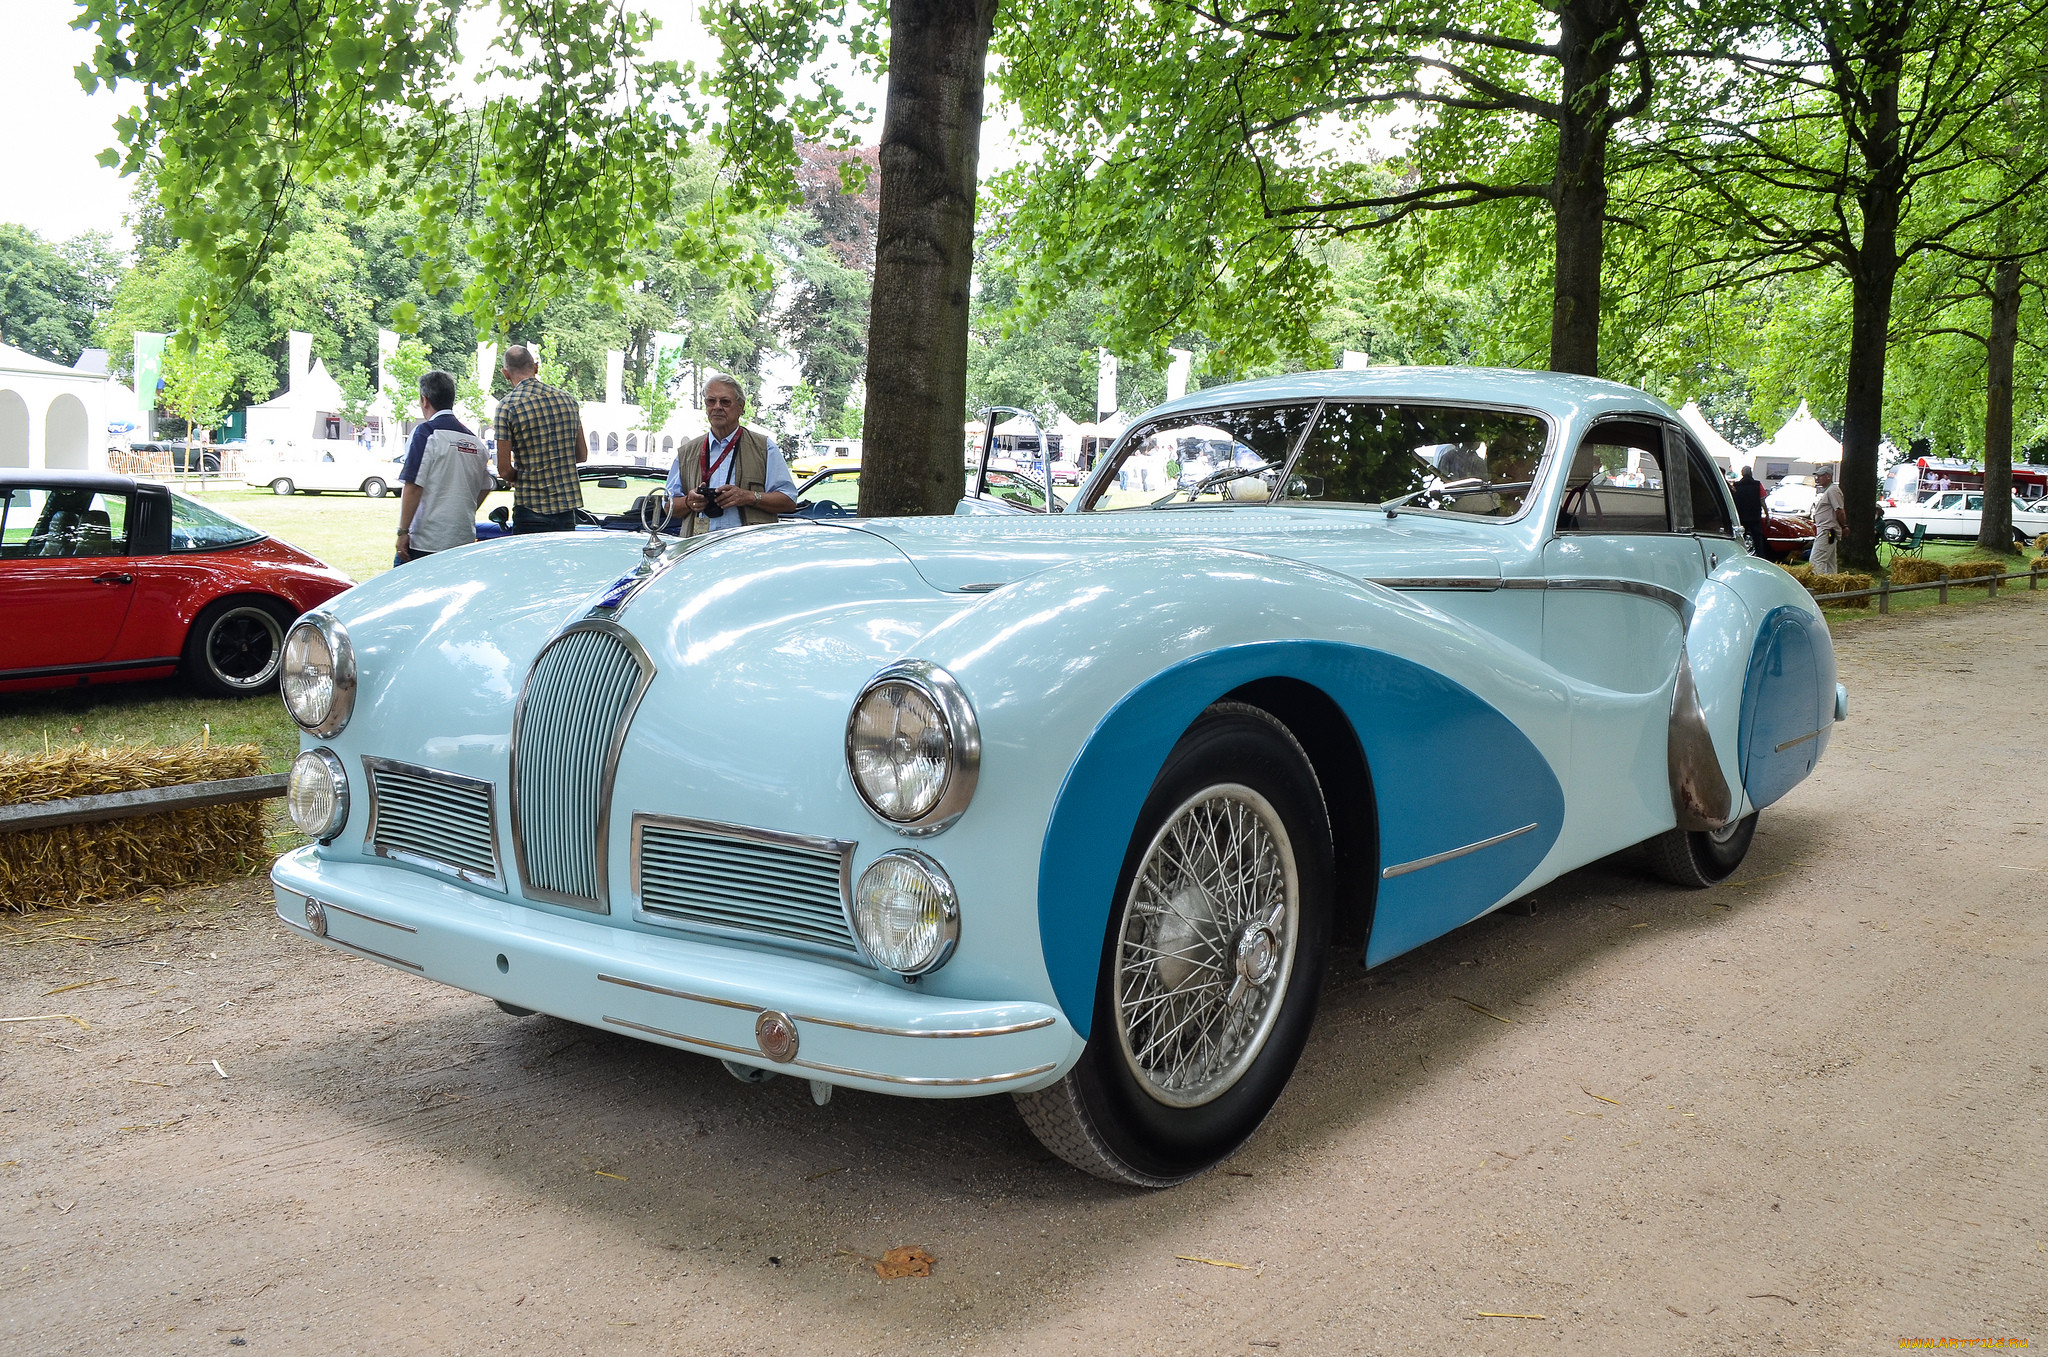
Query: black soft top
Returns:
{"type": "Point", "coordinates": [102, 482]}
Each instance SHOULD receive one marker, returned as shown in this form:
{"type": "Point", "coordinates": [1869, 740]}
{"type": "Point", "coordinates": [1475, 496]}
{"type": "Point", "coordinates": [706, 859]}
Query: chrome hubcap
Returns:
{"type": "Point", "coordinates": [1207, 945]}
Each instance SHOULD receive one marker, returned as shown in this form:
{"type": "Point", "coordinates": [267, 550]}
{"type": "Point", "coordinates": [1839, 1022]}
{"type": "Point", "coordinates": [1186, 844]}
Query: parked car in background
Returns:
{"type": "Point", "coordinates": [106, 578]}
{"type": "Point", "coordinates": [1793, 495]}
{"type": "Point", "coordinates": [368, 473]}
{"type": "Point", "coordinates": [1959, 513]}
{"type": "Point", "coordinates": [1085, 791]}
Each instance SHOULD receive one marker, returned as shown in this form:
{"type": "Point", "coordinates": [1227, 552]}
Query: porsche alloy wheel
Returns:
{"type": "Point", "coordinates": [1213, 961]}
{"type": "Point", "coordinates": [235, 647]}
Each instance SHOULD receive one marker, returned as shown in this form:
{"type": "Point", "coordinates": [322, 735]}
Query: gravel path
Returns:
{"type": "Point", "coordinates": [1801, 1112]}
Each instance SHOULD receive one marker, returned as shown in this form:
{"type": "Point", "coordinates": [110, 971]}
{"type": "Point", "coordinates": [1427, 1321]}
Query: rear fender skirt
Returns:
{"type": "Point", "coordinates": [1468, 806]}
{"type": "Point", "coordinates": [1788, 704]}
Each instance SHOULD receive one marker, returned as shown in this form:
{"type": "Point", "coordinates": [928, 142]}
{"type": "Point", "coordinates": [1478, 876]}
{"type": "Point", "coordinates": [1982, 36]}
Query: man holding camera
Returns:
{"type": "Point", "coordinates": [732, 475]}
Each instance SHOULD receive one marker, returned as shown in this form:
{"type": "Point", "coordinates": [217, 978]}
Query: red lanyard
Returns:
{"type": "Point", "coordinates": [710, 468]}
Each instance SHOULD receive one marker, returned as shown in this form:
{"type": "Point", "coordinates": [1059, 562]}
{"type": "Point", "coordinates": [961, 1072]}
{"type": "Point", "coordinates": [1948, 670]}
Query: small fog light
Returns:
{"type": "Point", "coordinates": [776, 1036]}
{"type": "Point", "coordinates": [316, 794]}
{"type": "Point", "coordinates": [906, 913]}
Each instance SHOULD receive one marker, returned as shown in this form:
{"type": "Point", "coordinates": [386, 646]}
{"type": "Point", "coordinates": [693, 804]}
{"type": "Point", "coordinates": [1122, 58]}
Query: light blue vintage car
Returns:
{"type": "Point", "coordinates": [1066, 805]}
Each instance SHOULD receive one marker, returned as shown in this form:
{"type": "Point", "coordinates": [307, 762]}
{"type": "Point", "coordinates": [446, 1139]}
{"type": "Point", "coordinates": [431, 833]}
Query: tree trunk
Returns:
{"type": "Point", "coordinates": [912, 435]}
{"type": "Point", "coordinates": [1994, 532]}
{"type": "Point", "coordinates": [1873, 273]}
{"type": "Point", "coordinates": [1588, 41]}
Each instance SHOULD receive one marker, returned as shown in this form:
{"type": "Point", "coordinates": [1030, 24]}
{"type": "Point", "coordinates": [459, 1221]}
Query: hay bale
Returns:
{"type": "Point", "coordinates": [2040, 563]}
{"type": "Point", "coordinates": [1978, 570]}
{"type": "Point", "coordinates": [1833, 584]}
{"type": "Point", "coordinates": [1801, 572]}
{"type": "Point", "coordinates": [2041, 543]}
{"type": "Point", "coordinates": [77, 864]}
{"type": "Point", "coordinates": [1916, 570]}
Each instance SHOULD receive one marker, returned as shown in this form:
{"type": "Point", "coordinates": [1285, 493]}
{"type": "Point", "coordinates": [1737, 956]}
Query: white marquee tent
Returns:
{"type": "Point", "coordinates": [51, 415]}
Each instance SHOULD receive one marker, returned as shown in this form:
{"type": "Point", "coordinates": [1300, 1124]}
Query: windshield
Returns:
{"type": "Point", "coordinates": [1204, 457]}
{"type": "Point", "coordinates": [1463, 461]}
{"type": "Point", "coordinates": [195, 527]}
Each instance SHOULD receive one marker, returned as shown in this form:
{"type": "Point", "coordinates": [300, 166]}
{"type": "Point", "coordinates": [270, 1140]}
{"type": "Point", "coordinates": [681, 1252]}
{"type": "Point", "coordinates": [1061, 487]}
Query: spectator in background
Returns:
{"type": "Point", "coordinates": [540, 441]}
{"type": "Point", "coordinates": [445, 476]}
{"type": "Point", "coordinates": [1749, 508]}
{"type": "Point", "coordinates": [1829, 518]}
{"type": "Point", "coordinates": [731, 475]}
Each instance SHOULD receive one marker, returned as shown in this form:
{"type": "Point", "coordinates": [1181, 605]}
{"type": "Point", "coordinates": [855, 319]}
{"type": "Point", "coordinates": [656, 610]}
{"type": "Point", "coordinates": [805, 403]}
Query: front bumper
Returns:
{"type": "Point", "coordinates": [689, 993]}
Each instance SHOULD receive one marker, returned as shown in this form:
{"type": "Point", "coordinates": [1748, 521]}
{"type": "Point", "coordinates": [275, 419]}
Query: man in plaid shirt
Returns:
{"type": "Point", "coordinates": [540, 441]}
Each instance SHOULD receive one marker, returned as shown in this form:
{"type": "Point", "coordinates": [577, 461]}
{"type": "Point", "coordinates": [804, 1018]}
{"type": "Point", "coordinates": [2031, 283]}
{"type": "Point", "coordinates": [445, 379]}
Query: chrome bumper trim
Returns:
{"type": "Point", "coordinates": [350, 946]}
{"type": "Point", "coordinates": [1809, 735]}
{"type": "Point", "coordinates": [1031, 1026]}
{"type": "Point", "coordinates": [403, 928]}
{"type": "Point", "coordinates": [754, 1053]}
{"type": "Point", "coordinates": [1403, 868]}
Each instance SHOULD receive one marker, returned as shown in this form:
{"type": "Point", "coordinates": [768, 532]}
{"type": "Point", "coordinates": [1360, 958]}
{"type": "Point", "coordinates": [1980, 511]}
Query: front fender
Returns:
{"type": "Point", "coordinates": [1085, 675]}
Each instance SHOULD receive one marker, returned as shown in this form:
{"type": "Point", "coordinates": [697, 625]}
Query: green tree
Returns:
{"type": "Point", "coordinates": [1849, 139]}
{"type": "Point", "coordinates": [50, 295]}
{"type": "Point", "coordinates": [657, 396]}
{"type": "Point", "coordinates": [196, 381]}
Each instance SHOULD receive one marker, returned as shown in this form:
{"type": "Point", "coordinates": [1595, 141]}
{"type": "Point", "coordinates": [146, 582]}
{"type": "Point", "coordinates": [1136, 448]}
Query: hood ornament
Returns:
{"type": "Point", "coordinates": [653, 513]}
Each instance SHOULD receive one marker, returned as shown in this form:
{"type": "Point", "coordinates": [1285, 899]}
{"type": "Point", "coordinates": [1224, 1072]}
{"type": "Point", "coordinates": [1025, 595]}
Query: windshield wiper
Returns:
{"type": "Point", "coordinates": [1216, 478]}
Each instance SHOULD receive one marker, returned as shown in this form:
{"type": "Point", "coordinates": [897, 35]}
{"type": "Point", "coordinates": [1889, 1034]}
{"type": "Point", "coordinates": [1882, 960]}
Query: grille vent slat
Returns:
{"type": "Point", "coordinates": [579, 692]}
{"type": "Point", "coordinates": [781, 890]}
{"type": "Point", "coordinates": [444, 822]}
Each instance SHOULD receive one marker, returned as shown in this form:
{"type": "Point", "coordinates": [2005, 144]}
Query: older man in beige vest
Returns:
{"type": "Point", "coordinates": [732, 475]}
{"type": "Point", "coordinates": [1830, 519]}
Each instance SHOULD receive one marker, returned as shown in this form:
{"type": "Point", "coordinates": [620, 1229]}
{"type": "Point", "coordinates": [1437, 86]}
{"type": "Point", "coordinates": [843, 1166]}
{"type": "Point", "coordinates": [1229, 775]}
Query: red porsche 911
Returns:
{"type": "Point", "coordinates": [106, 579]}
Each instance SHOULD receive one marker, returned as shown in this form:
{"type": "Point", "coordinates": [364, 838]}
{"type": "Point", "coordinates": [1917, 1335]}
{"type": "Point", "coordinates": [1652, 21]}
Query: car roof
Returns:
{"type": "Point", "coordinates": [104, 481]}
{"type": "Point", "coordinates": [1555, 392]}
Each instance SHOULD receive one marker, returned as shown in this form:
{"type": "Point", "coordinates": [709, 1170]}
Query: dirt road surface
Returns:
{"type": "Point", "coordinates": [1803, 1112]}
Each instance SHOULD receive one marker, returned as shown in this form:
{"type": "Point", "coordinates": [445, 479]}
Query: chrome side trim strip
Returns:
{"type": "Point", "coordinates": [1656, 593]}
{"type": "Point", "coordinates": [1485, 584]}
{"type": "Point", "coordinates": [403, 928]}
{"type": "Point", "coordinates": [1810, 735]}
{"type": "Point", "coordinates": [1403, 868]}
{"type": "Point", "coordinates": [350, 946]}
{"type": "Point", "coordinates": [1670, 598]}
{"type": "Point", "coordinates": [913, 1080]}
{"type": "Point", "coordinates": [680, 994]}
{"type": "Point", "coordinates": [1031, 1026]}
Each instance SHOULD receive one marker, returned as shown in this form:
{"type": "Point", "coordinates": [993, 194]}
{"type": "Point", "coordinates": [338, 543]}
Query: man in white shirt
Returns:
{"type": "Point", "coordinates": [445, 476]}
{"type": "Point", "coordinates": [732, 475]}
{"type": "Point", "coordinates": [1829, 517]}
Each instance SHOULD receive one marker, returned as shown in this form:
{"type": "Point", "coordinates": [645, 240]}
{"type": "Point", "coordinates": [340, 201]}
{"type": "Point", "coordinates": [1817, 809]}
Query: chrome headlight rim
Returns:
{"type": "Point", "coordinates": [949, 905]}
{"type": "Point", "coordinates": [963, 744]}
{"type": "Point", "coordinates": [342, 656]}
{"type": "Point", "coordinates": [327, 762]}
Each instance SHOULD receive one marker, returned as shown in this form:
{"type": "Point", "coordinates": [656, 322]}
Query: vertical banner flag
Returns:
{"type": "Point", "coordinates": [387, 349]}
{"type": "Point", "coordinates": [1177, 372]}
{"type": "Point", "coordinates": [1105, 384]}
{"type": "Point", "coordinates": [149, 368]}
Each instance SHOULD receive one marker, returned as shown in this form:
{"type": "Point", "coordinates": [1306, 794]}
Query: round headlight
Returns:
{"type": "Point", "coordinates": [913, 747]}
{"type": "Point", "coordinates": [316, 794]}
{"type": "Point", "coordinates": [318, 678]}
{"type": "Point", "coordinates": [905, 913]}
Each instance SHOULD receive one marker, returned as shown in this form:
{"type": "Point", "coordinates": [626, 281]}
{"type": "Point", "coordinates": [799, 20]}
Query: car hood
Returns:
{"type": "Point", "coordinates": [975, 554]}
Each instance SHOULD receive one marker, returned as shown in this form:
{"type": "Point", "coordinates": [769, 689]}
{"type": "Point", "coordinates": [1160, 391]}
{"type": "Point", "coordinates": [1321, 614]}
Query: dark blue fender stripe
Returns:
{"type": "Point", "coordinates": [1448, 770]}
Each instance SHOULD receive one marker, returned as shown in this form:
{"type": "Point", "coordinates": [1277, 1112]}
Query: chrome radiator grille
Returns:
{"type": "Point", "coordinates": [434, 819]}
{"type": "Point", "coordinates": [578, 699]}
{"type": "Point", "coordinates": [746, 881]}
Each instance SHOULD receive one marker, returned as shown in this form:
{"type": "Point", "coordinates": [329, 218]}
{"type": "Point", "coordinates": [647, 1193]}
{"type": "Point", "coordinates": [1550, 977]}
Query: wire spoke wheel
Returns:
{"type": "Point", "coordinates": [1207, 945]}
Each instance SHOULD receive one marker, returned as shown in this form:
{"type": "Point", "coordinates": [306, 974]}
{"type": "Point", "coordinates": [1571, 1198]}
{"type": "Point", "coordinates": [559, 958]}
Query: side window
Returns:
{"type": "Point", "coordinates": [1709, 496]}
{"type": "Point", "coordinates": [1190, 458]}
{"type": "Point", "coordinates": [63, 522]}
{"type": "Point", "coordinates": [1975, 504]}
{"type": "Point", "coordinates": [1479, 462]}
{"type": "Point", "coordinates": [1616, 482]}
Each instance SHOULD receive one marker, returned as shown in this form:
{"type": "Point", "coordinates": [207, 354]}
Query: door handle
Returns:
{"type": "Point", "coordinates": [113, 577]}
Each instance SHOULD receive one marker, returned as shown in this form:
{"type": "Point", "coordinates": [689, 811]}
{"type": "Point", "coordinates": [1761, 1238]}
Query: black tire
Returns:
{"type": "Point", "coordinates": [1694, 858]}
{"type": "Point", "coordinates": [282, 486]}
{"type": "Point", "coordinates": [513, 1009]}
{"type": "Point", "coordinates": [1895, 532]}
{"type": "Point", "coordinates": [374, 488]}
{"type": "Point", "coordinates": [1111, 1115]}
{"type": "Point", "coordinates": [235, 646]}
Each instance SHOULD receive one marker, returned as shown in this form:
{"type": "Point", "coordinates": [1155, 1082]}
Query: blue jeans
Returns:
{"type": "Point", "coordinates": [526, 520]}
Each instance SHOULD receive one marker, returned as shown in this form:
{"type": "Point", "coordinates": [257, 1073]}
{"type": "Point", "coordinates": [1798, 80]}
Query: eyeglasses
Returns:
{"type": "Point", "coordinates": [720, 400]}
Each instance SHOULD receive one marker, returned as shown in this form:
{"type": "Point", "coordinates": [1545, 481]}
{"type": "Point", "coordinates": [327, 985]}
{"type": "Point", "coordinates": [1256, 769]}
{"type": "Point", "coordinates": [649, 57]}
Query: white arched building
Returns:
{"type": "Point", "coordinates": [51, 416]}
